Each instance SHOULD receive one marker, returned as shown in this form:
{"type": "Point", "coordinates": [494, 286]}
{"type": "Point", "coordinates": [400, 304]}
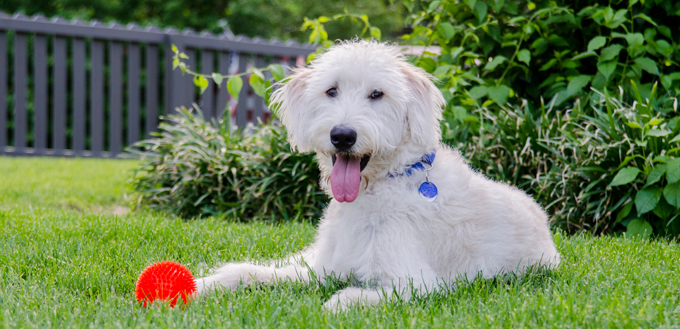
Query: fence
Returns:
{"type": "Point", "coordinates": [88, 89]}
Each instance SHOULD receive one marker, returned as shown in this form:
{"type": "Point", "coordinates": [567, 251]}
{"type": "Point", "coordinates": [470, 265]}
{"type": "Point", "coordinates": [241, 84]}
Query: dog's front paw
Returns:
{"type": "Point", "coordinates": [345, 298]}
{"type": "Point", "coordinates": [223, 280]}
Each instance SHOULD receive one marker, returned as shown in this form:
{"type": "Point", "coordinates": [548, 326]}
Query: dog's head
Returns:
{"type": "Point", "coordinates": [363, 109]}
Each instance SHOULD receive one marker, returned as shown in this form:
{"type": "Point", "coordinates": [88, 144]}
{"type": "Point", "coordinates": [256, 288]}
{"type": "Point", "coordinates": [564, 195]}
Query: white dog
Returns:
{"type": "Point", "coordinates": [407, 212]}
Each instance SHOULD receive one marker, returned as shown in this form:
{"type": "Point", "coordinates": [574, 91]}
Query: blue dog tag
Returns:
{"type": "Point", "coordinates": [428, 191]}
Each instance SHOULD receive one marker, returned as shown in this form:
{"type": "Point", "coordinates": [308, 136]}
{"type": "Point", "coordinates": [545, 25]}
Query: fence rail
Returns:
{"type": "Point", "coordinates": [74, 88]}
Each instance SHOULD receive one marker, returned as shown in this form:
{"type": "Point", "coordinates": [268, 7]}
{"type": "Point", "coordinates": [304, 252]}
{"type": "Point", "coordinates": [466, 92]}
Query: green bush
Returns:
{"type": "Point", "coordinates": [197, 168]}
{"type": "Point", "coordinates": [605, 167]}
{"type": "Point", "coordinates": [517, 77]}
{"type": "Point", "coordinates": [497, 51]}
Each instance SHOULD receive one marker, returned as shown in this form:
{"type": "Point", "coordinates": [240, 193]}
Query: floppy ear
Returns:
{"type": "Point", "coordinates": [424, 109]}
{"type": "Point", "coordinates": [288, 104]}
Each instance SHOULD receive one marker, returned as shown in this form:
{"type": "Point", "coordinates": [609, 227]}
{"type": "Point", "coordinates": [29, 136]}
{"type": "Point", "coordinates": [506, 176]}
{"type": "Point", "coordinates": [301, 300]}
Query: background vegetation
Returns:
{"type": "Point", "coordinates": [263, 18]}
{"type": "Point", "coordinates": [199, 168]}
{"type": "Point", "coordinates": [574, 101]}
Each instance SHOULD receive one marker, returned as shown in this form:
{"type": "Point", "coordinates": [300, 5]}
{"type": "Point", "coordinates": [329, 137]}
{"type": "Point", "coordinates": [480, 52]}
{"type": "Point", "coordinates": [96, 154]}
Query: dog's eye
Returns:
{"type": "Point", "coordinates": [333, 92]}
{"type": "Point", "coordinates": [376, 95]}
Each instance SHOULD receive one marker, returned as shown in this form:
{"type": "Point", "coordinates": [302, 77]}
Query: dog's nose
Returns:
{"type": "Point", "coordinates": [343, 137]}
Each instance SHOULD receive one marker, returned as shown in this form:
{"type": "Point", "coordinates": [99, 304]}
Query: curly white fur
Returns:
{"type": "Point", "coordinates": [391, 238]}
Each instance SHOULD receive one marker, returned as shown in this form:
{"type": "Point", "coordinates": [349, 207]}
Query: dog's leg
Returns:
{"type": "Point", "coordinates": [231, 276]}
{"type": "Point", "coordinates": [404, 289]}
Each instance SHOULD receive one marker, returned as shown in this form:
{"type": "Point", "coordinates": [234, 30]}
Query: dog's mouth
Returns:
{"type": "Point", "coordinates": [346, 175]}
{"type": "Point", "coordinates": [362, 164]}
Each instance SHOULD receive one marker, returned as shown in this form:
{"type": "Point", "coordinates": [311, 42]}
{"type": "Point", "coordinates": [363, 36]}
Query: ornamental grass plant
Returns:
{"type": "Point", "coordinates": [195, 167]}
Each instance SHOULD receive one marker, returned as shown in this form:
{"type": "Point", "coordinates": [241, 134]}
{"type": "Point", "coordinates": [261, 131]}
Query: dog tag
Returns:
{"type": "Point", "coordinates": [428, 191]}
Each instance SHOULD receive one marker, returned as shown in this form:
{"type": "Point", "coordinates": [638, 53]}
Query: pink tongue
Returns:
{"type": "Point", "coordinates": [346, 178]}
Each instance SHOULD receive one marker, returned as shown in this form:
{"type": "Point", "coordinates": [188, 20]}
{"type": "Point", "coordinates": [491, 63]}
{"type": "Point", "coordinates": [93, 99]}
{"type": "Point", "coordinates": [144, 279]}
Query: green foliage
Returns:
{"type": "Point", "coordinates": [496, 51]}
{"type": "Point", "coordinates": [198, 168]}
{"type": "Point", "coordinates": [260, 84]}
{"type": "Point", "coordinates": [264, 18]}
{"type": "Point", "coordinates": [500, 62]}
{"type": "Point", "coordinates": [598, 168]}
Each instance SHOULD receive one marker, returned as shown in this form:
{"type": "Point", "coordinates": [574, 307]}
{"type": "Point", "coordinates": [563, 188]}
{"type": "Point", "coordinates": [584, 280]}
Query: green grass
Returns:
{"type": "Point", "coordinates": [75, 266]}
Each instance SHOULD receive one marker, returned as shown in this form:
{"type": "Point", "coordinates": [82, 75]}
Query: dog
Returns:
{"type": "Point", "coordinates": [407, 215]}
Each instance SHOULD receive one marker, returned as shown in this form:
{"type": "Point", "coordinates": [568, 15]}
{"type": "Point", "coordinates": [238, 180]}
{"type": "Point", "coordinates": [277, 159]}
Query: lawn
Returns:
{"type": "Point", "coordinates": [70, 254]}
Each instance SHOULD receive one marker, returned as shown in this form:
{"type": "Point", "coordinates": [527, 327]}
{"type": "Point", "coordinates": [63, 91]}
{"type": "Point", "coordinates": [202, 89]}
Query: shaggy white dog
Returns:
{"type": "Point", "coordinates": [373, 121]}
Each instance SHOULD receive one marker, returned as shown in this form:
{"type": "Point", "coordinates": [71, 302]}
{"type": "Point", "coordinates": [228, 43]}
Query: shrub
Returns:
{"type": "Point", "coordinates": [605, 167]}
{"type": "Point", "coordinates": [496, 51]}
{"type": "Point", "coordinates": [502, 61]}
{"type": "Point", "coordinates": [197, 168]}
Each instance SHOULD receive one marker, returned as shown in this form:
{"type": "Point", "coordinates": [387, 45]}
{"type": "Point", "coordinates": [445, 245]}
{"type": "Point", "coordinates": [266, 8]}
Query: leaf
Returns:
{"type": "Point", "coordinates": [625, 176]}
{"type": "Point", "coordinates": [597, 43]}
{"type": "Point", "coordinates": [654, 122]}
{"type": "Point", "coordinates": [201, 82]}
{"type": "Point", "coordinates": [268, 92]}
{"type": "Point", "coordinates": [549, 64]}
{"type": "Point", "coordinates": [478, 92]}
{"type": "Point", "coordinates": [433, 5]}
{"type": "Point", "coordinates": [174, 48]}
{"type": "Point", "coordinates": [617, 20]}
{"type": "Point", "coordinates": [323, 19]}
{"type": "Point", "coordinates": [524, 56]}
{"type": "Point", "coordinates": [471, 3]}
{"type": "Point", "coordinates": [576, 84]}
{"type": "Point", "coordinates": [257, 83]}
{"type": "Point", "coordinates": [234, 85]}
{"type": "Point", "coordinates": [639, 227]}
{"type": "Point", "coordinates": [375, 33]}
{"type": "Point", "coordinates": [217, 78]}
{"type": "Point", "coordinates": [624, 212]}
{"type": "Point", "coordinates": [584, 55]}
{"type": "Point", "coordinates": [633, 125]}
{"type": "Point", "coordinates": [490, 66]}
{"type": "Point", "coordinates": [673, 170]}
{"type": "Point", "coordinates": [647, 199]}
{"type": "Point", "coordinates": [409, 5]}
{"type": "Point", "coordinates": [499, 94]}
{"type": "Point", "coordinates": [675, 139]}
{"type": "Point", "coordinates": [607, 68]}
{"type": "Point", "coordinates": [665, 31]}
{"type": "Point", "coordinates": [656, 174]}
{"type": "Point", "coordinates": [672, 194]}
{"type": "Point", "coordinates": [647, 18]}
{"type": "Point", "coordinates": [498, 5]}
{"type": "Point", "coordinates": [663, 209]}
{"type": "Point", "coordinates": [277, 71]}
{"type": "Point", "coordinates": [480, 10]}
{"type": "Point", "coordinates": [610, 53]}
{"type": "Point", "coordinates": [635, 39]}
{"type": "Point", "coordinates": [446, 30]}
{"type": "Point", "coordinates": [647, 64]}
{"type": "Point", "coordinates": [428, 64]}
{"type": "Point", "coordinates": [658, 132]}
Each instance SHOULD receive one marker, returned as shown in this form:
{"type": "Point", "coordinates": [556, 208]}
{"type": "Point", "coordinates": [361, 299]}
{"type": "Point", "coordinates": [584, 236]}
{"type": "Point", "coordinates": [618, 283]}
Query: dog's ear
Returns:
{"type": "Point", "coordinates": [424, 110]}
{"type": "Point", "coordinates": [288, 104]}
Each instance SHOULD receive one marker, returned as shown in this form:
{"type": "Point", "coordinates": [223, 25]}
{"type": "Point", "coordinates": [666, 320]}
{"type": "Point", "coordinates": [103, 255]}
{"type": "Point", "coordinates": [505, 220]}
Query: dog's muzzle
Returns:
{"type": "Point", "coordinates": [347, 166]}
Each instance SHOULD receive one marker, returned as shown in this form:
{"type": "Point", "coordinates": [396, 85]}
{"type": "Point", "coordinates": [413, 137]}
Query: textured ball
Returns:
{"type": "Point", "coordinates": [166, 281]}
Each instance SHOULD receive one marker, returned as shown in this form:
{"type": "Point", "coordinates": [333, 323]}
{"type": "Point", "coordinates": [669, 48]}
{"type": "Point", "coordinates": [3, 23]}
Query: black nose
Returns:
{"type": "Point", "coordinates": [343, 137]}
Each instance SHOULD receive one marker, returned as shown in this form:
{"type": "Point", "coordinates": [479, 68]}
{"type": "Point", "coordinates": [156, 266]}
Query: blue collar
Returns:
{"type": "Point", "coordinates": [418, 166]}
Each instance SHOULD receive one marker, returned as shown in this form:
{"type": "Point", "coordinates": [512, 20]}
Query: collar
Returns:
{"type": "Point", "coordinates": [418, 166]}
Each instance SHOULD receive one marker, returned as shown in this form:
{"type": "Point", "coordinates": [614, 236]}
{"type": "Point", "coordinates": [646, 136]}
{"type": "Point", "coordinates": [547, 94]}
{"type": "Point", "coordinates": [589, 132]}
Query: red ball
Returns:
{"type": "Point", "coordinates": [166, 281]}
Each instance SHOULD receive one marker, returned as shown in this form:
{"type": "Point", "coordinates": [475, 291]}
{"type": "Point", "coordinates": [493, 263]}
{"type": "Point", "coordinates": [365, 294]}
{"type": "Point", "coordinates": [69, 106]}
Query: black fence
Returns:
{"type": "Point", "coordinates": [88, 88]}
